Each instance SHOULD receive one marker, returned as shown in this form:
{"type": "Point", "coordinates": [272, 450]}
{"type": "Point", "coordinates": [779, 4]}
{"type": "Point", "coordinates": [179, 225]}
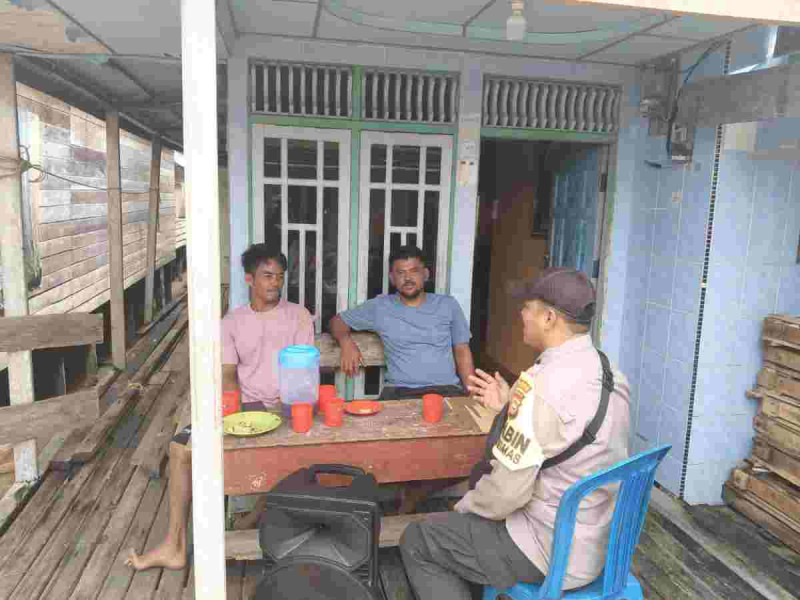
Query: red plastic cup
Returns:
{"type": "Point", "coordinates": [231, 402]}
{"type": "Point", "coordinates": [326, 392]}
{"type": "Point", "coordinates": [334, 412]}
{"type": "Point", "coordinates": [302, 416]}
{"type": "Point", "coordinates": [432, 407]}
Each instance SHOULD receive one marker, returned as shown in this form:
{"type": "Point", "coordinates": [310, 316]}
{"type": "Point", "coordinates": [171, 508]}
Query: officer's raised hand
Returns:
{"type": "Point", "coordinates": [493, 392]}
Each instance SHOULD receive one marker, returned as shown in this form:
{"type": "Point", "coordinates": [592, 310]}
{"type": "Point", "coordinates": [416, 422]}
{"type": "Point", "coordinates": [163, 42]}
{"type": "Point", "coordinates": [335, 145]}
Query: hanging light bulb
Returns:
{"type": "Point", "coordinates": [516, 23]}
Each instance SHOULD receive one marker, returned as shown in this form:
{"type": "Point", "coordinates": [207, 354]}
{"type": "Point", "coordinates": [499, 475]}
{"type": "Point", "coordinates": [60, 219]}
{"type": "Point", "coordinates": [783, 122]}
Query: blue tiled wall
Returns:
{"type": "Point", "coordinates": [664, 287]}
{"type": "Point", "coordinates": [752, 272]}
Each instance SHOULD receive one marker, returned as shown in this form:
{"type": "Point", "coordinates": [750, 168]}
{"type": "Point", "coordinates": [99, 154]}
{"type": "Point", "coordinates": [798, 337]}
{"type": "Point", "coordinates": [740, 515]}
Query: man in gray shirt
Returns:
{"type": "Point", "coordinates": [425, 336]}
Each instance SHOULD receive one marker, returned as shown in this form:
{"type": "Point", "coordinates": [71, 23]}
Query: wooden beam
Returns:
{"type": "Point", "coordinates": [199, 70]}
{"type": "Point", "coordinates": [768, 11]}
{"type": "Point", "coordinates": [152, 227]}
{"type": "Point", "coordinates": [115, 240]}
{"type": "Point", "coordinates": [742, 97]}
{"type": "Point", "coordinates": [15, 288]}
{"type": "Point", "coordinates": [50, 331]}
{"type": "Point", "coordinates": [47, 417]}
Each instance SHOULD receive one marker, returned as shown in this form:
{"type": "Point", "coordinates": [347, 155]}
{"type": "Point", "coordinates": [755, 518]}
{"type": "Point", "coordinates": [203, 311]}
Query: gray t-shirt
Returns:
{"type": "Point", "coordinates": [417, 341]}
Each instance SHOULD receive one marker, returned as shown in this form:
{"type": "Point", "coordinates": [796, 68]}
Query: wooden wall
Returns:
{"type": "Point", "coordinates": [69, 223]}
{"type": "Point", "coordinates": [516, 254]}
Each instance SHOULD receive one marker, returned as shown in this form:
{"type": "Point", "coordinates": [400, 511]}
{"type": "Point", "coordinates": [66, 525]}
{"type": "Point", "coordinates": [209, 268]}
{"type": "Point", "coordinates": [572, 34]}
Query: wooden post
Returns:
{"type": "Point", "coordinates": [199, 63]}
{"type": "Point", "coordinates": [15, 288]}
{"type": "Point", "coordinates": [152, 226]}
{"type": "Point", "coordinates": [115, 240]}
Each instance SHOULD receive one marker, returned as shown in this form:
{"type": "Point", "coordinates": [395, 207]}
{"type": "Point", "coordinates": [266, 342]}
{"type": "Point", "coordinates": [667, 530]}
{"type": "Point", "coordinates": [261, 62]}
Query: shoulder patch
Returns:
{"type": "Point", "coordinates": [517, 447]}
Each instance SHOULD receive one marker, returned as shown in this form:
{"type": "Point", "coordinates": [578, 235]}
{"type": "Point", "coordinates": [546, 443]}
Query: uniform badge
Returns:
{"type": "Point", "coordinates": [517, 447]}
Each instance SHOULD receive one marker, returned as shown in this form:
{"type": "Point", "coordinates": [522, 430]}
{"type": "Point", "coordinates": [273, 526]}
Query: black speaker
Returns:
{"type": "Point", "coordinates": [318, 542]}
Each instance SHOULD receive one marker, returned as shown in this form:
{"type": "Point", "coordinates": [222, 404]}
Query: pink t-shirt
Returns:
{"type": "Point", "coordinates": [252, 340]}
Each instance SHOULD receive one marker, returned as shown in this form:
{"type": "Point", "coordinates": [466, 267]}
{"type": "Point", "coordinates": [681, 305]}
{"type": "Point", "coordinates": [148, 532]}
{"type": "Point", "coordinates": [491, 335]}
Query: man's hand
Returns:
{"type": "Point", "coordinates": [493, 392]}
{"type": "Point", "coordinates": [352, 360]}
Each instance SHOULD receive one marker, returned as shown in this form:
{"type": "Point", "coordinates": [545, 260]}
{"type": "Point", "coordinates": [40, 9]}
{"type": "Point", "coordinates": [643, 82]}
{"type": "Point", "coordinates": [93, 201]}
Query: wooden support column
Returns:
{"type": "Point", "coordinates": [152, 226]}
{"type": "Point", "coordinates": [115, 240]}
{"type": "Point", "coordinates": [199, 65]}
{"type": "Point", "coordinates": [15, 289]}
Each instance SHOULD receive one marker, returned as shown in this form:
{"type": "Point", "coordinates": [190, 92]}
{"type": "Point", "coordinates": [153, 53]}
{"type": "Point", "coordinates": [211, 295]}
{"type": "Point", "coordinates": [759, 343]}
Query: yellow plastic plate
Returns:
{"type": "Point", "coordinates": [245, 424]}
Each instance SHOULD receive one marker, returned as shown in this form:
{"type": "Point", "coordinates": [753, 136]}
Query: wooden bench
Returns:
{"type": "Point", "coordinates": [243, 545]}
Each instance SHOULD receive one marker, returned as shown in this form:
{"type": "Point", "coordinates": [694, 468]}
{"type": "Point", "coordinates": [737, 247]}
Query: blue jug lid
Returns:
{"type": "Point", "coordinates": [299, 356]}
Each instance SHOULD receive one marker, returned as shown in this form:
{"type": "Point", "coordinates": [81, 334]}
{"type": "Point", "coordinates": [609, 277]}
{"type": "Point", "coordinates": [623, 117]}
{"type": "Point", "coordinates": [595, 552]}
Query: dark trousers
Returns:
{"type": "Point", "coordinates": [446, 553]}
{"type": "Point", "coordinates": [390, 392]}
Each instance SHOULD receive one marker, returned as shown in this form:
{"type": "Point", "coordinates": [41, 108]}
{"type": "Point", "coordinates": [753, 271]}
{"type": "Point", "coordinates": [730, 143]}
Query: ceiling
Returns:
{"type": "Point", "coordinates": [135, 45]}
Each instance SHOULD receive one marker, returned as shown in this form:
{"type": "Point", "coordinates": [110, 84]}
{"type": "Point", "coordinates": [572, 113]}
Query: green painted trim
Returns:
{"type": "Point", "coordinates": [250, 192]}
{"type": "Point", "coordinates": [453, 196]}
{"type": "Point", "coordinates": [400, 127]}
{"type": "Point", "coordinates": [355, 188]}
{"type": "Point", "coordinates": [353, 124]}
{"type": "Point", "coordinates": [560, 135]}
{"type": "Point", "coordinates": [358, 80]}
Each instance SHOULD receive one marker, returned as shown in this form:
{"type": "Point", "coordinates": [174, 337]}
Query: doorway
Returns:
{"type": "Point", "coordinates": [541, 203]}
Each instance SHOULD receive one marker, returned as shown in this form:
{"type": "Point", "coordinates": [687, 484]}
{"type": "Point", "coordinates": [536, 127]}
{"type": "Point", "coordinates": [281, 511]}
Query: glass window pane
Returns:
{"type": "Point", "coordinates": [302, 159]}
{"type": "Point", "coordinates": [405, 164]}
{"type": "Point", "coordinates": [395, 241]}
{"type": "Point", "coordinates": [433, 165]}
{"type": "Point", "coordinates": [404, 208]}
{"type": "Point", "coordinates": [272, 157]}
{"type": "Point", "coordinates": [258, 93]}
{"type": "Point", "coordinates": [430, 232]}
{"type": "Point", "coordinates": [377, 162]}
{"type": "Point", "coordinates": [272, 214]}
{"type": "Point", "coordinates": [311, 272]}
{"type": "Point", "coordinates": [293, 272]}
{"type": "Point", "coordinates": [302, 204]}
{"type": "Point", "coordinates": [411, 239]}
{"type": "Point", "coordinates": [331, 161]}
{"type": "Point", "coordinates": [372, 381]}
{"type": "Point", "coordinates": [330, 255]}
{"type": "Point", "coordinates": [375, 274]}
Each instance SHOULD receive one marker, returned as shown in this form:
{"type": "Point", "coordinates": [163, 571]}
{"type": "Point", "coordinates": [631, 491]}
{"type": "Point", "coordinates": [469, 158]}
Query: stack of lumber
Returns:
{"type": "Point", "coordinates": [766, 487]}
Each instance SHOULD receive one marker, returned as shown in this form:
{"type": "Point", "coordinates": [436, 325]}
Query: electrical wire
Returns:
{"type": "Point", "coordinates": [18, 166]}
{"type": "Point", "coordinates": [674, 111]}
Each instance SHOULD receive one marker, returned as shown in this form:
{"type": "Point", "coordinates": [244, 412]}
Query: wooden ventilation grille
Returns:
{"type": "Point", "coordinates": [301, 90]}
{"type": "Point", "coordinates": [410, 97]}
{"type": "Point", "coordinates": [547, 105]}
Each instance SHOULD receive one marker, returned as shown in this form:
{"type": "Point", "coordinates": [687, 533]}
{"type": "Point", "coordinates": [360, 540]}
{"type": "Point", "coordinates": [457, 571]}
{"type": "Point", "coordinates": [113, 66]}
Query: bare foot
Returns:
{"type": "Point", "coordinates": [166, 555]}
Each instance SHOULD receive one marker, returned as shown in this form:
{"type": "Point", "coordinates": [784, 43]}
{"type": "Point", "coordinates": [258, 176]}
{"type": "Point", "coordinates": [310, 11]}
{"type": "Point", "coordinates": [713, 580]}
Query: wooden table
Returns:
{"type": "Point", "coordinates": [394, 445]}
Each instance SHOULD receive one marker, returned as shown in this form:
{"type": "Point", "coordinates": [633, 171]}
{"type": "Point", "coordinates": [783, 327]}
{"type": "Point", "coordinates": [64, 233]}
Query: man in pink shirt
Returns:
{"type": "Point", "coordinates": [252, 337]}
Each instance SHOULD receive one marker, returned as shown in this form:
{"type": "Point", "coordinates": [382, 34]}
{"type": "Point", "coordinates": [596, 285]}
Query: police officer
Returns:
{"type": "Point", "coordinates": [501, 531]}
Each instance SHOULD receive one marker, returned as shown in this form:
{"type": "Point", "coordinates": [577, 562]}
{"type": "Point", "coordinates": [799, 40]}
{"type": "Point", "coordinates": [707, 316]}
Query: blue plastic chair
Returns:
{"type": "Point", "coordinates": [616, 581]}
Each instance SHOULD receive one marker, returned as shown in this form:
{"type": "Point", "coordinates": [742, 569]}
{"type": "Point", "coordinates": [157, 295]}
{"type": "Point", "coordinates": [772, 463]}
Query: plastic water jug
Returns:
{"type": "Point", "coordinates": [299, 376]}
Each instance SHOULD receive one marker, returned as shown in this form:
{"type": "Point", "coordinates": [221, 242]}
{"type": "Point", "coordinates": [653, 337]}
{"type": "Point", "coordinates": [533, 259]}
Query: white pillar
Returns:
{"type": "Point", "coordinates": [199, 61]}
{"type": "Point", "coordinates": [466, 196]}
{"type": "Point", "coordinates": [15, 288]}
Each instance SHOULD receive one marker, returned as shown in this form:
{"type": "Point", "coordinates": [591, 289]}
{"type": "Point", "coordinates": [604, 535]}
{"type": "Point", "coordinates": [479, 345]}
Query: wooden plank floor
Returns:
{"type": "Point", "coordinates": [70, 540]}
